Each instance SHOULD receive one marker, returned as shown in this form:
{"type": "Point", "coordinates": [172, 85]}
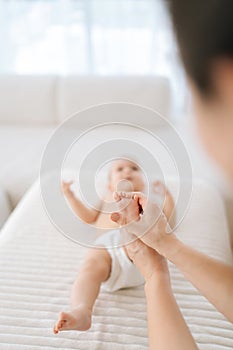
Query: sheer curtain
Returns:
{"type": "Point", "coordinates": [106, 37]}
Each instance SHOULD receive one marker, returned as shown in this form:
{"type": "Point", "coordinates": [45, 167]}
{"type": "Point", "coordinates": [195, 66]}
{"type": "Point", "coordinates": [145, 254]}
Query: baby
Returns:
{"type": "Point", "coordinates": [110, 265]}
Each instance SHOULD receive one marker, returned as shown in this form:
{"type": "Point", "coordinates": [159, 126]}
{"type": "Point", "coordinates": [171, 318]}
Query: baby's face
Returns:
{"type": "Point", "coordinates": [125, 170]}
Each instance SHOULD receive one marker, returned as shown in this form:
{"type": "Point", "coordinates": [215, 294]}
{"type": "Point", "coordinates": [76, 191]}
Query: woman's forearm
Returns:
{"type": "Point", "coordinates": [166, 326]}
{"type": "Point", "coordinates": [211, 277]}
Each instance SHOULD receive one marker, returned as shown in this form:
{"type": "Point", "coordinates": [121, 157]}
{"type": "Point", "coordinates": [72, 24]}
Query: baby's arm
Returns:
{"type": "Point", "coordinates": [88, 215]}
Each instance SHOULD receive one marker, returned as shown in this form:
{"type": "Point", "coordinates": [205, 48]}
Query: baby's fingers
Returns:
{"type": "Point", "coordinates": [67, 183]}
{"type": "Point", "coordinates": [159, 187]}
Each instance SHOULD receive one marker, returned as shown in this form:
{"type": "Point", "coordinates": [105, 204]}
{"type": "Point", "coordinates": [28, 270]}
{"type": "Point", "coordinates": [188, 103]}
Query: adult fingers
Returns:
{"type": "Point", "coordinates": [118, 218]}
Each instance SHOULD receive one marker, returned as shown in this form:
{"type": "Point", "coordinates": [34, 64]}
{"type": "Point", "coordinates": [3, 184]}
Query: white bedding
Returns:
{"type": "Point", "coordinates": [38, 266]}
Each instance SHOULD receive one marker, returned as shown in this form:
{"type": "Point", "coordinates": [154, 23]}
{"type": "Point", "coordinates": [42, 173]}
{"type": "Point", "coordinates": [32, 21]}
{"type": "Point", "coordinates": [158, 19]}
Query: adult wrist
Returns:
{"type": "Point", "coordinates": [169, 246]}
{"type": "Point", "coordinates": [157, 281]}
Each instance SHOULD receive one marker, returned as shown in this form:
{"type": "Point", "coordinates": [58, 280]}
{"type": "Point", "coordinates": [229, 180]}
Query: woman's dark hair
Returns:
{"type": "Point", "coordinates": [204, 30]}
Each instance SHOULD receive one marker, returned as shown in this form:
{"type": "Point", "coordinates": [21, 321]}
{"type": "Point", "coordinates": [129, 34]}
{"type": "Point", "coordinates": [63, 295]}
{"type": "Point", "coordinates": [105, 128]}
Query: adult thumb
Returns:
{"type": "Point", "coordinates": [118, 218]}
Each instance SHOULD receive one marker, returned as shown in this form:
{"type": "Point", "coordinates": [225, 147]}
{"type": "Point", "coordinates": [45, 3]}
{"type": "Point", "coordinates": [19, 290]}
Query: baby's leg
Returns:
{"type": "Point", "coordinates": [95, 270]}
{"type": "Point", "coordinates": [169, 205]}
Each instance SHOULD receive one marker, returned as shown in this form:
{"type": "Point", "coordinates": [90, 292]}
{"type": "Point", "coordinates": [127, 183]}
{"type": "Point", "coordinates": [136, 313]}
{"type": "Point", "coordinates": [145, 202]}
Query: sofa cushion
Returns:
{"type": "Point", "coordinates": [77, 93]}
{"type": "Point", "coordinates": [27, 99]}
{"type": "Point", "coordinates": [5, 207]}
{"type": "Point", "coordinates": [21, 149]}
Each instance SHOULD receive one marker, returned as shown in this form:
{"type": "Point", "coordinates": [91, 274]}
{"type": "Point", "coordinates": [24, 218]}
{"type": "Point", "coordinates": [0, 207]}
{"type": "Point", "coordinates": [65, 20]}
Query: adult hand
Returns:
{"type": "Point", "coordinates": [149, 262]}
{"type": "Point", "coordinates": [151, 226]}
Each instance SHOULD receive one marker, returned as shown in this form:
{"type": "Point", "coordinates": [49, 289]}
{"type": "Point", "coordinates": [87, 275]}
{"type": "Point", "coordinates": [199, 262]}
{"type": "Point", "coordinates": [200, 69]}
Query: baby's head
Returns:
{"type": "Point", "coordinates": [125, 175]}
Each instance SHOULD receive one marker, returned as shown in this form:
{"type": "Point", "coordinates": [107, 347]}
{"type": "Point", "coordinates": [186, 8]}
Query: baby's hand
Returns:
{"type": "Point", "coordinates": [159, 188]}
{"type": "Point", "coordinates": [65, 186]}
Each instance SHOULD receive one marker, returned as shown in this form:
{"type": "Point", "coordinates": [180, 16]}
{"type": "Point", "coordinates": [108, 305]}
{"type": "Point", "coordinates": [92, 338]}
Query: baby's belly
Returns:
{"type": "Point", "coordinates": [104, 222]}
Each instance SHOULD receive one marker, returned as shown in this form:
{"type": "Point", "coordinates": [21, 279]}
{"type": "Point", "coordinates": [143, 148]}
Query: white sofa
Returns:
{"type": "Point", "coordinates": [31, 107]}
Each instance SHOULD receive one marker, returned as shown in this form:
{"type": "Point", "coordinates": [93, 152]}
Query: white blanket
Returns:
{"type": "Point", "coordinates": [38, 266]}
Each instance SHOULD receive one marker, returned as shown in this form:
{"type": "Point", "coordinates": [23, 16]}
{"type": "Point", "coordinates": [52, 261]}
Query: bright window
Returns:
{"type": "Point", "coordinates": [89, 37]}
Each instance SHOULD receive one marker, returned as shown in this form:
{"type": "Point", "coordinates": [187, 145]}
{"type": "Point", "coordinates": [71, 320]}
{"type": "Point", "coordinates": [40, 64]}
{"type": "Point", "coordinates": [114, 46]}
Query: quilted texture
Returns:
{"type": "Point", "coordinates": [38, 266]}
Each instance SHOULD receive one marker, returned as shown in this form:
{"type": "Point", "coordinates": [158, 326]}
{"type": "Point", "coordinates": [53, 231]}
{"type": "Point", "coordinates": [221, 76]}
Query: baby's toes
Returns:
{"type": "Point", "coordinates": [63, 319]}
{"type": "Point", "coordinates": [55, 330]}
{"type": "Point", "coordinates": [61, 324]}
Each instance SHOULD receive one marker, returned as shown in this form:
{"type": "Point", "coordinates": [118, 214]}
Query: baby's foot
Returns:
{"type": "Point", "coordinates": [128, 206]}
{"type": "Point", "coordinates": [78, 319]}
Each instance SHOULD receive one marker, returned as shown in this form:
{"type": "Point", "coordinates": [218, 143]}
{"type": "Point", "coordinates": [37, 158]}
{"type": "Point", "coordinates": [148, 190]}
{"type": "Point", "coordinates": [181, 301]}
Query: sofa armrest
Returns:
{"type": "Point", "coordinates": [5, 207]}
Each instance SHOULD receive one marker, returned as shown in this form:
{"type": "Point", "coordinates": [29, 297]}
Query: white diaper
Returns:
{"type": "Point", "coordinates": [124, 273]}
